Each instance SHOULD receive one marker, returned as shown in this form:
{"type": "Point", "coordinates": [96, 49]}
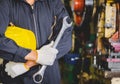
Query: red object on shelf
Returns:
{"type": "Point", "coordinates": [77, 19]}
{"type": "Point", "coordinates": [78, 11]}
{"type": "Point", "coordinates": [79, 5]}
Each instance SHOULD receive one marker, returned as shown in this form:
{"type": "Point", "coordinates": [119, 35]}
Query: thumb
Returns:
{"type": "Point", "coordinates": [51, 43]}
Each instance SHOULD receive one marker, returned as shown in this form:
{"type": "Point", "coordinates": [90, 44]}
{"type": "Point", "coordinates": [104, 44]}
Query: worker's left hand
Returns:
{"type": "Point", "coordinates": [14, 69]}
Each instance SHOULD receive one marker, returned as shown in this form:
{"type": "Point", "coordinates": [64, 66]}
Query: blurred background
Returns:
{"type": "Point", "coordinates": [95, 54]}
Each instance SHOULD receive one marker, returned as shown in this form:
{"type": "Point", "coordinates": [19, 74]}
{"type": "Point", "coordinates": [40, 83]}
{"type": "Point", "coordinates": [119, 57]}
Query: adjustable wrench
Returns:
{"type": "Point", "coordinates": [40, 73]}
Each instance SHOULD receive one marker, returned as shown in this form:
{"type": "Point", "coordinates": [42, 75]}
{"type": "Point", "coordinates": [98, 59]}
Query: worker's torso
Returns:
{"type": "Point", "coordinates": [39, 18]}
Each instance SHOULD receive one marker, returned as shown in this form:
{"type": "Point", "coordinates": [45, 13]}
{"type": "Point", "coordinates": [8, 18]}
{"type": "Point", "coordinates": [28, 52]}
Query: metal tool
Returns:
{"type": "Point", "coordinates": [66, 24]}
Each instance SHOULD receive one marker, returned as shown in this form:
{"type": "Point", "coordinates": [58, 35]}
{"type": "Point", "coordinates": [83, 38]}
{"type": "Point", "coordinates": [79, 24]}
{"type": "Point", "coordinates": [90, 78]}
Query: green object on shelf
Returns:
{"type": "Point", "coordinates": [68, 75]}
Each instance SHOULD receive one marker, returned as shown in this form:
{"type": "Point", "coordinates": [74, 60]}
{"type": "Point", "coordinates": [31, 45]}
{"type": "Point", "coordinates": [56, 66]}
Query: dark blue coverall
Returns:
{"type": "Point", "coordinates": [39, 18]}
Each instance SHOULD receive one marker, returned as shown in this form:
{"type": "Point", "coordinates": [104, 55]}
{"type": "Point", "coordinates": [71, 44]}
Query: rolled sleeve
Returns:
{"type": "Point", "coordinates": [10, 51]}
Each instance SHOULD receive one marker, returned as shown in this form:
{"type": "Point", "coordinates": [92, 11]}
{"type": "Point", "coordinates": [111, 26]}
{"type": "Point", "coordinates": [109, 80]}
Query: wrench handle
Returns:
{"type": "Point", "coordinates": [58, 38]}
{"type": "Point", "coordinates": [40, 73]}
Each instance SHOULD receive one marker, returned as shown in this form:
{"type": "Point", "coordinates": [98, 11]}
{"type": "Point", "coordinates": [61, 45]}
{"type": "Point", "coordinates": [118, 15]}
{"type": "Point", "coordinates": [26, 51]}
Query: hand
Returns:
{"type": "Point", "coordinates": [47, 54]}
{"type": "Point", "coordinates": [14, 69]}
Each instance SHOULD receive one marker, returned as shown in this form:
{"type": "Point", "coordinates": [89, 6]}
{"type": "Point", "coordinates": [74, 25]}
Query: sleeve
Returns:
{"type": "Point", "coordinates": [9, 50]}
{"type": "Point", "coordinates": [65, 43]}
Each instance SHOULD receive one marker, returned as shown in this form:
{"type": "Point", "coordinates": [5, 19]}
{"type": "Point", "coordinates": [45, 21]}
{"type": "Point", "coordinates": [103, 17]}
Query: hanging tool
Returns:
{"type": "Point", "coordinates": [114, 57]}
{"type": "Point", "coordinates": [110, 18]}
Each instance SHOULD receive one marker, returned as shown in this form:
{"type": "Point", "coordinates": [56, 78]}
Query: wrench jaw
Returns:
{"type": "Point", "coordinates": [67, 22]}
{"type": "Point", "coordinates": [37, 78]}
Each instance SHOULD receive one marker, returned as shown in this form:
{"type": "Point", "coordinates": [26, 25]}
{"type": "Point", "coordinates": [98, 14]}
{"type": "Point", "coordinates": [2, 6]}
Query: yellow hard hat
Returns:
{"type": "Point", "coordinates": [23, 37]}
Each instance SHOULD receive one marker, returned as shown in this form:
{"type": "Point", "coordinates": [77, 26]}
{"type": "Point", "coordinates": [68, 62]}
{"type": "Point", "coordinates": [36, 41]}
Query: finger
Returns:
{"type": "Point", "coordinates": [13, 75]}
{"type": "Point", "coordinates": [51, 43]}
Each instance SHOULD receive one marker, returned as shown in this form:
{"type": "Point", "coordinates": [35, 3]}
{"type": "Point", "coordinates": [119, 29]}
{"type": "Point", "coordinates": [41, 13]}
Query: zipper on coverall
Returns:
{"type": "Point", "coordinates": [35, 26]}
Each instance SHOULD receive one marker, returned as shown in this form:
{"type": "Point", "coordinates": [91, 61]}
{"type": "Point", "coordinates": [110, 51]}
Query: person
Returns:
{"type": "Point", "coordinates": [44, 18]}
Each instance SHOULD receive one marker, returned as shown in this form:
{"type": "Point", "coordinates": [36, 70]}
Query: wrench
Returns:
{"type": "Point", "coordinates": [40, 73]}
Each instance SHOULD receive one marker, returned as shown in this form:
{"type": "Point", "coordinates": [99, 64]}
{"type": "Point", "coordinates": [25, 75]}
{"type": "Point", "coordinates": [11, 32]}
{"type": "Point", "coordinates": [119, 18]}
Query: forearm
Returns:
{"type": "Point", "coordinates": [31, 57]}
{"type": "Point", "coordinates": [10, 51]}
{"type": "Point", "coordinates": [30, 64]}
{"type": "Point", "coordinates": [65, 43]}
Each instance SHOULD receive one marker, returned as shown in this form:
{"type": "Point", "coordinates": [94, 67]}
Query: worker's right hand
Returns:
{"type": "Point", "coordinates": [14, 69]}
{"type": "Point", "coordinates": [47, 54]}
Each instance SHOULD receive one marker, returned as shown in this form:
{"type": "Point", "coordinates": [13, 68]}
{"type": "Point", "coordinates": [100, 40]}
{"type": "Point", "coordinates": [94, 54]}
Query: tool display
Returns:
{"type": "Point", "coordinates": [110, 18]}
{"type": "Point", "coordinates": [109, 40]}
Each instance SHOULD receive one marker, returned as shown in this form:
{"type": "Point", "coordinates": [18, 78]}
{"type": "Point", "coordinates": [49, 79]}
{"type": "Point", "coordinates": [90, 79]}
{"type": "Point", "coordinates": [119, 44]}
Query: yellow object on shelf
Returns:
{"type": "Point", "coordinates": [110, 1]}
{"type": "Point", "coordinates": [23, 37]}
